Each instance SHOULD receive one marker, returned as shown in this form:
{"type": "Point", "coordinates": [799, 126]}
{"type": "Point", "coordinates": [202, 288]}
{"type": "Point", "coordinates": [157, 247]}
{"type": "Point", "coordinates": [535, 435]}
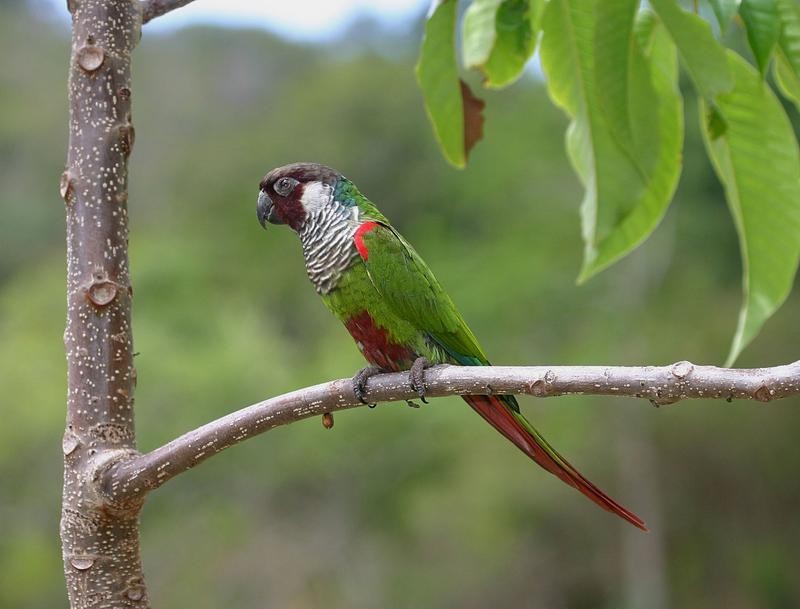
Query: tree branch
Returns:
{"type": "Point", "coordinates": [133, 478]}
{"type": "Point", "coordinates": [155, 8]}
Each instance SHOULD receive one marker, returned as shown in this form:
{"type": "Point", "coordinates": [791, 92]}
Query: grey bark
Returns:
{"type": "Point", "coordinates": [100, 538]}
{"type": "Point", "coordinates": [155, 8]}
{"type": "Point", "coordinates": [133, 478]}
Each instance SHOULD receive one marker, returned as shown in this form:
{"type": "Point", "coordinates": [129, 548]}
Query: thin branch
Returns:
{"type": "Point", "coordinates": [130, 479]}
{"type": "Point", "coordinates": [155, 8]}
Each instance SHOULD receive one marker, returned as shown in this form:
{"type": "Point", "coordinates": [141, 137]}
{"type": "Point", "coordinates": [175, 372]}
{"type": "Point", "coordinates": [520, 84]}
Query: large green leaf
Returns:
{"type": "Point", "coordinates": [787, 65]}
{"type": "Point", "coordinates": [758, 163]}
{"type": "Point", "coordinates": [500, 37]}
{"type": "Point", "coordinates": [701, 54]}
{"type": "Point", "coordinates": [626, 133]}
{"type": "Point", "coordinates": [725, 11]}
{"type": "Point", "coordinates": [437, 74]}
{"type": "Point", "coordinates": [761, 22]}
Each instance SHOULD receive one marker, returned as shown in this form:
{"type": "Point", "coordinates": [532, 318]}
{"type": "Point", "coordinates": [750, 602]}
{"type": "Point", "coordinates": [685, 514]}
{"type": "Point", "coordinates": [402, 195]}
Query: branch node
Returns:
{"type": "Point", "coordinates": [69, 442]}
{"type": "Point", "coordinates": [101, 291]}
{"type": "Point", "coordinates": [100, 466]}
{"type": "Point", "coordinates": [539, 388]}
{"type": "Point", "coordinates": [90, 57]}
{"type": "Point", "coordinates": [127, 137]}
{"type": "Point", "coordinates": [66, 187]}
{"type": "Point", "coordinates": [327, 420]}
{"type": "Point", "coordinates": [543, 386]}
{"type": "Point", "coordinates": [681, 370]}
{"type": "Point", "coordinates": [82, 562]}
{"type": "Point", "coordinates": [763, 393]}
{"type": "Point", "coordinates": [135, 592]}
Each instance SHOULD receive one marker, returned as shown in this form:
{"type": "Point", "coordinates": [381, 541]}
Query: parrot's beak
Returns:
{"type": "Point", "coordinates": [265, 210]}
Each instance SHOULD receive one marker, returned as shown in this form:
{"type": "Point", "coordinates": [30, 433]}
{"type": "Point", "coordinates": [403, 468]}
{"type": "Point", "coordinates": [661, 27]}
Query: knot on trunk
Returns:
{"type": "Point", "coordinates": [90, 57]}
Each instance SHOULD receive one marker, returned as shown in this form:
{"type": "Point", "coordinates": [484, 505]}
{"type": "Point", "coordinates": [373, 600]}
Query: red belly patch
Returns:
{"type": "Point", "coordinates": [375, 344]}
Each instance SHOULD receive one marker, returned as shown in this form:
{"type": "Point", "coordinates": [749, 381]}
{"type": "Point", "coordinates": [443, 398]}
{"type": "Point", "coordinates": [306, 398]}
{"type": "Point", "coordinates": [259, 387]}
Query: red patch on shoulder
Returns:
{"type": "Point", "coordinates": [362, 230]}
{"type": "Point", "coordinates": [375, 344]}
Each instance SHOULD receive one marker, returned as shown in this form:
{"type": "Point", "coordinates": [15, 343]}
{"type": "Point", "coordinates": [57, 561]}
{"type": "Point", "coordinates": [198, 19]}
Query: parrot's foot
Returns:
{"type": "Point", "coordinates": [360, 381]}
{"type": "Point", "coordinates": [416, 376]}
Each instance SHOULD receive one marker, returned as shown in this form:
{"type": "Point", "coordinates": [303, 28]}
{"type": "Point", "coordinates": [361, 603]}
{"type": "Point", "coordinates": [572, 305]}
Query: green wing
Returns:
{"type": "Point", "coordinates": [408, 286]}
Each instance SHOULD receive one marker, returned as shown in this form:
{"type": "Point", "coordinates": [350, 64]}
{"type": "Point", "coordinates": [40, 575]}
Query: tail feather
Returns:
{"type": "Point", "coordinates": [499, 412]}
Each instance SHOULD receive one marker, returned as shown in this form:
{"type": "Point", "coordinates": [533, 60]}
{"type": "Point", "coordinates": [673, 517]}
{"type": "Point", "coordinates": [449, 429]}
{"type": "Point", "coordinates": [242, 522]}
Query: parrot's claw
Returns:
{"type": "Point", "coordinates": [360, 381]}
{"type": "Point", "coordinates": [416, 376]}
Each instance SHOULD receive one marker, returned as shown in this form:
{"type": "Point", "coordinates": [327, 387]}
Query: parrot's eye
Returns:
{"type": "Point", "coordinates": [285, 186]}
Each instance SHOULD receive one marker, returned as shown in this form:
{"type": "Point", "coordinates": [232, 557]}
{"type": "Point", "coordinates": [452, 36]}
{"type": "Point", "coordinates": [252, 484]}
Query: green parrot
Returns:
{"type": "Point", "coordinates": [401, 318]}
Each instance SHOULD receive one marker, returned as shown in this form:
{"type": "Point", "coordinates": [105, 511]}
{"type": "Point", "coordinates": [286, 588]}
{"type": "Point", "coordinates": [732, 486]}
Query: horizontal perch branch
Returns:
{"type": "Point", "coordinates": [133, 476]}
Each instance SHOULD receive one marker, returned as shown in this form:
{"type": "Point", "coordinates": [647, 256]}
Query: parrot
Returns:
{"type": "Point", "coordinates": [397, 312]}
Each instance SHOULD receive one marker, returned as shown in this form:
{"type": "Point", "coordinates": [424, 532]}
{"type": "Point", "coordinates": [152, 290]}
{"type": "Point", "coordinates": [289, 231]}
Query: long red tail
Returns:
{"type": "Point", "coordinates": [498, 412]}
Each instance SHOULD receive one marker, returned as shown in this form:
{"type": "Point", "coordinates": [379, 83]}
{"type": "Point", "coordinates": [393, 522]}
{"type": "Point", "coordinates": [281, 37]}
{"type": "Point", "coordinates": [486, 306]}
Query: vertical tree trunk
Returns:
{"type": "Point", "coordinates": [100, 539]}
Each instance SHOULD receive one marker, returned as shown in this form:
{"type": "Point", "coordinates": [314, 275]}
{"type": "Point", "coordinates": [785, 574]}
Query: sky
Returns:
{"type": "Point", "coordinates": [306, 20]}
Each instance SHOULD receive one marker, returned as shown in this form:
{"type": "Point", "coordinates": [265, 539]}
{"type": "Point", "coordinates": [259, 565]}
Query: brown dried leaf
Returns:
{"type": "Point", "coordinates": [473, 117]}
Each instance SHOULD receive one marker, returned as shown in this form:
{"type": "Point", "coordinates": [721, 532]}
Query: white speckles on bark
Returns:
{"type": "Point", "coordinates": [100, 538]}
{"type": "Point", "coordinates": [130, 479]}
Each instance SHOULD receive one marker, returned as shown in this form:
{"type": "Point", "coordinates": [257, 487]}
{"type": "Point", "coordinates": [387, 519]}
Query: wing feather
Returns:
{"type": "Point", "coordinates": [412, 291]}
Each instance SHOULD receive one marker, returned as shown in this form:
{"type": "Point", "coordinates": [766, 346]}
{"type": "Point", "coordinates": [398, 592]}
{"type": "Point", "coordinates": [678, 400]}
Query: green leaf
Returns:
{"type": "Point", "coordinates": [789, 38]}
{"type": "Point", "coordinates": [614, 67]}
{"type": "Point", "coordinates": [787, 79]}
{"type": "Point", "coordinates": [437, 74]}
{"type": "Point", "coordinates": [499, 38]}
{"type": "Point", "coordinates": [515, 43]}
{"type": "Point", "coordinates": [758, 162]}
{"type": "Point", "coordinates": [626, 133]}
{"type": "Point", "coordinates": [763, 27]}
{"type": "Point", "coordinates": [725, 11]}
{"type": "Point", "coordinates": [787, 65]}
{"type": "Point", "coordinates": [478, 32]}
{"type": "Point", "coordinates": [702, 55]}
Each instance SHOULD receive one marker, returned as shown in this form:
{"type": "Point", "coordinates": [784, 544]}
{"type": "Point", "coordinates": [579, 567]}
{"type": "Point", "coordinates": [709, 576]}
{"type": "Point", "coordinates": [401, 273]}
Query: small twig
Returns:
{"type": "Point", "coordinates": [133, 478]}
{"type": "Point", "coordinates": [155, 8]}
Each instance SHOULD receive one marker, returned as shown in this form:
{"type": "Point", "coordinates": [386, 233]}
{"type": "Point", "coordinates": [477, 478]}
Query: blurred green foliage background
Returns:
{"type": "Point", "coordinates": [395, 507]}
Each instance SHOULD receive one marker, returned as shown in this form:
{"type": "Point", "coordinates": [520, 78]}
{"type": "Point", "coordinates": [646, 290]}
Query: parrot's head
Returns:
{"type": "Point", "coordinates": [290, 194]}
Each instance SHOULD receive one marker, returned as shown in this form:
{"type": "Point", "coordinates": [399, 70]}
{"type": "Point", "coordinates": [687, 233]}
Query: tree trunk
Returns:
{"type": "Point", "coordinates": [100, 539]}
